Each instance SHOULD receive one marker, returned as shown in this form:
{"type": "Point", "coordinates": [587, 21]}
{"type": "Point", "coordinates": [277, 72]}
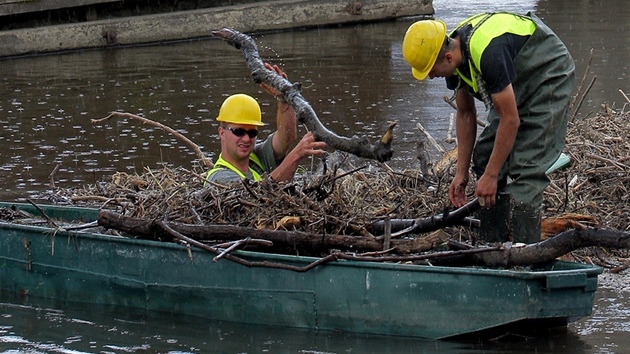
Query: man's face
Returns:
{"type": "Point", "coordinates": [238, 140]}
{"type": "Point", "coordinates": [442, 68]}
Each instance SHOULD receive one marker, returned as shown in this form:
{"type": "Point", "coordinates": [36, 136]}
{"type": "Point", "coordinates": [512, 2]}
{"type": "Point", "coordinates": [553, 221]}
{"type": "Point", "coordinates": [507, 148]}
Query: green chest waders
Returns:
{"type": "Point", "coordinates": [543, 89]}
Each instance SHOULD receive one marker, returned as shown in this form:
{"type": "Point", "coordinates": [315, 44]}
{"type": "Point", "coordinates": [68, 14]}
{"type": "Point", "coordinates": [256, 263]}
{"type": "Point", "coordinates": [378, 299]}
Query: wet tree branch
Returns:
{"type": "Point", "coordinates": [292, 93]}
{"type": "Point", "coordinates": [547, 250]}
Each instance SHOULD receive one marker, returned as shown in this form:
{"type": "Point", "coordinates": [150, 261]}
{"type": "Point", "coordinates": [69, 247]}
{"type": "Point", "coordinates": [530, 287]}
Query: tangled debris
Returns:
{"type": "Point", "coordinates": [336, 202]}
{"type": "Point", "coordinates": [346, 197]}
{"type": "Point", "coordinates": [598, 181]}
{"type": "Point", "coordinates": [332, 213]}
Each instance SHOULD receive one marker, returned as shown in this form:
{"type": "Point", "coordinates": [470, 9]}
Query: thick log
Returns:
{"type": "Point", "coordinates": [148, 229]}
{"type": "Point", "coordinates": [547, 250]}
{"type": "Point", "coordinates": [292, 93]}
{"type": "Point", "coordinates": [506, 256]}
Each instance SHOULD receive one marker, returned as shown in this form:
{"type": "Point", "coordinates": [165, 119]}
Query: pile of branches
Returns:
{"type": "Point", "coordinates": [338, 202]}
{"type": "Point", "coordinates": [348, 195]}
{"type": "Point", "coordinates": [597, 182]}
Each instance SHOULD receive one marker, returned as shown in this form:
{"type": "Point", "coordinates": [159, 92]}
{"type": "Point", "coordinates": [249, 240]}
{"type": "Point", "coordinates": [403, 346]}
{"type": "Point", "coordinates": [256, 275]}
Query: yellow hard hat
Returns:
{"type": "Point", "coordinates": [240, 109]}
{"type": "Point", "coordinates": [422, 44]}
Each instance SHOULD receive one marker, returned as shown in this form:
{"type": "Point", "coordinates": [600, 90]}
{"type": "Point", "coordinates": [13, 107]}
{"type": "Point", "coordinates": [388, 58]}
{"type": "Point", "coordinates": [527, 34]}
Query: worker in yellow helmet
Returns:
{"type": "Point", "coordinates": [524, 75]}
{"type": "Point", "coordinates": [242, 156]}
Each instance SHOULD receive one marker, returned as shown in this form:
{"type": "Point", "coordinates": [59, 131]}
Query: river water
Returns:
{"type": "Point", "coordinates": [48, 327]}
{"type": "Point", "coordinates": [355, 79]}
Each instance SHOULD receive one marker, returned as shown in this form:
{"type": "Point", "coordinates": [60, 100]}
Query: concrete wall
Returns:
{"type": "Point", "coordinates": [15, 7]}
{"type": "Point", "coordinates": [256, 16]}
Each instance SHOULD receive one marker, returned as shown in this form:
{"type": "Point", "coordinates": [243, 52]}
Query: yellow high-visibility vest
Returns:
{"type": "Point", "coordinates": [486, 27]}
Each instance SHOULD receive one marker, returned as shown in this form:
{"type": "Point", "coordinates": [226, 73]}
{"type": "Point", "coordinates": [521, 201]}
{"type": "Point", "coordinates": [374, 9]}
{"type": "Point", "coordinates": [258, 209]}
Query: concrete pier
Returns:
{"type": "Point", "coordinates": [40, 26]}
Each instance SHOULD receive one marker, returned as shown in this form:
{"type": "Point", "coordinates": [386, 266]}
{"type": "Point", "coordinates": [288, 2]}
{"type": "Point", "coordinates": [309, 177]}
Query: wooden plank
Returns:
{"type": "Point", "coordinates": [16, 7]}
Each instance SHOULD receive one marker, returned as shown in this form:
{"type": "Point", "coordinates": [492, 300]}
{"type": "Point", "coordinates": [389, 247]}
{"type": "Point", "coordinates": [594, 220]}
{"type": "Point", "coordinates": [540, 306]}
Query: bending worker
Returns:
{"type": "Point", "coordinates": [524, 75]}
{"type": "Point", "coordinates": [243, 157]}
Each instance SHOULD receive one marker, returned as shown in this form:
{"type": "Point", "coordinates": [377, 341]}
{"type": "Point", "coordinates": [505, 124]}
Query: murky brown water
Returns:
{"type": "Point", "coordinates": [354, 77]}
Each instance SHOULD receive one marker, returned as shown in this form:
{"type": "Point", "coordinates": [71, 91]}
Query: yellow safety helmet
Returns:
{"type": "Point", "coordinates": [422, 44]}
{"type": "Point", "coordinates": [240, 109]}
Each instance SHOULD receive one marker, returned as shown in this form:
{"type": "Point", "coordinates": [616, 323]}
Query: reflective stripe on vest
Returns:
{"type": "Point", "coordinates": [485, 28]}
{"type": "Point", "coordinates": [255, 166]}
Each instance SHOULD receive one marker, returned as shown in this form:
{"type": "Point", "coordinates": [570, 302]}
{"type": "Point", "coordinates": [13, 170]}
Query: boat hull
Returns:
{"type": "Point", "coordinates": [362, 297]}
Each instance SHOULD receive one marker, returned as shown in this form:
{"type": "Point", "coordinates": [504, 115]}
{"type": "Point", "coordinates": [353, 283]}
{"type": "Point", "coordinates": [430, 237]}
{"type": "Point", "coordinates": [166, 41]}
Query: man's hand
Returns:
{"type": "Point", "coordinates": [272, 91]}
{"type": "Point", "coordinates": [457, 191]}
{"type": "Point", "coordinates": [307, 146]}
{"type": "Point", "coordinates": [486, 190]}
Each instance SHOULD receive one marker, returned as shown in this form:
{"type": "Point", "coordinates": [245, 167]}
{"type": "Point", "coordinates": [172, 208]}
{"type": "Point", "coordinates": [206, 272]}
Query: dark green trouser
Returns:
{"type": "Point", "coordinates": [543, 88]}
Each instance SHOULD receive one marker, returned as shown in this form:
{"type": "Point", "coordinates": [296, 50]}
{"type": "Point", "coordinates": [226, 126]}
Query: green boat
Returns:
{"type": "Point", "coordinates": [353, 296]}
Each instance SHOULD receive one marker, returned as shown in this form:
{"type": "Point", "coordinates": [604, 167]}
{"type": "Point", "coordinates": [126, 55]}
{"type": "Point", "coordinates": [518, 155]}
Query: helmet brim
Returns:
{"type": "Point", "coordinates": [419, 75]}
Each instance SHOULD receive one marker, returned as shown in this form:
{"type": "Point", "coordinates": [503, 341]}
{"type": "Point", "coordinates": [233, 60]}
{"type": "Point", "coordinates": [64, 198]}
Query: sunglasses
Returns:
{"type": "Point", "coordinates": [240, 132]}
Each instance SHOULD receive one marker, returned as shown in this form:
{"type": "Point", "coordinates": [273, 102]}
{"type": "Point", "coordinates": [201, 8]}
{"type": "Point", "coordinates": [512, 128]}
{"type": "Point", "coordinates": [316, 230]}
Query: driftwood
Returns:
{"type": "Point", "coordinates": [547, 250]}
{"type": "Point", "coordinates": [148, 229]}
{"type": "Point", "coordinates": [292, 93]}
{"type": "Point", "coordinates": [331, 257]}
{"type": "Point", "coordinates": [504, 256]}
